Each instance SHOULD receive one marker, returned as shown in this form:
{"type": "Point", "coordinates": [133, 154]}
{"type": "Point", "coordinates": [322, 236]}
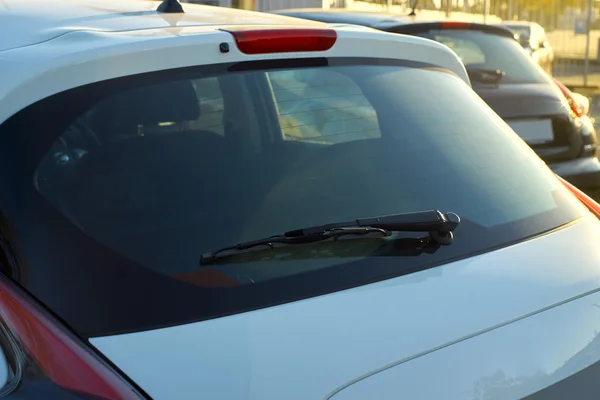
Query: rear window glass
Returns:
{"type": "Point", "coordinates": [210, 105]}
{"type": "Point", "coordinates": [488, 52]}
{"type": "Point", "coordinates": [323, 106]}
{"type": "Point", "coordinates": [121, 186]}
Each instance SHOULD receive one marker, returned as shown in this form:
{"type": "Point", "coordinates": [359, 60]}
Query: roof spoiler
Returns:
{"type": "Point", "coordinates": [450, 25]}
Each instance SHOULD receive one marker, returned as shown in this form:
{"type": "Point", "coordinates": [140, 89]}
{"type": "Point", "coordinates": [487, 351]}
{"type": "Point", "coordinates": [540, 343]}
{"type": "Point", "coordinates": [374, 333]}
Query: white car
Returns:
{"type": "Point", "coordinates": [172, 228]}
{"type": "Point", "coordinates": [532, 37]}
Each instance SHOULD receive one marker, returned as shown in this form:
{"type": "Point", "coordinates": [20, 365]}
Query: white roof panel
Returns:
{"type": "Point", "coordinates": [27, 22]}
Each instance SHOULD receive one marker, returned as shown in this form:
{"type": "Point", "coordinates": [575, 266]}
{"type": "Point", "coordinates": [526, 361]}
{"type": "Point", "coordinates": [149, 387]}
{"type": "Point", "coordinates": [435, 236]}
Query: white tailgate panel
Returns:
{"type": "Point", "coordinates": [508, 363]}
{"type": "Point", "coordinates": [310, 348]}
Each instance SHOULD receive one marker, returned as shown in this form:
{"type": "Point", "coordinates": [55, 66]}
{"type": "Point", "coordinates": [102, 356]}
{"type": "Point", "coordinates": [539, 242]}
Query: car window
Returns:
{"type": "Point", "coordinates": [490, 52]}
{"type": "Point", "coordinates": [523, 31]}
{"type": "Point", "coordinates": [208, 115]}
{"type": "Point", "coordinates": [468, 50]}
{"type": "Point", "coordinates": [210, 101]}
{"type": "Point", "coordinates": [118, 188]}
{"type": "Point", "coordinates": [322, 106]}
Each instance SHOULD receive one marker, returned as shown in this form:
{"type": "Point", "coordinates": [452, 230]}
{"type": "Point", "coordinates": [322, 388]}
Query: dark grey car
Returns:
{"type": "Point", "coordinates": [505, 77]}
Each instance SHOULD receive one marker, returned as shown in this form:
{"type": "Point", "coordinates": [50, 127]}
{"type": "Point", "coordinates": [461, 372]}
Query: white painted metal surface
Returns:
{"type": "Point", "coordinates": [510, 362]}
{"type": "Point", "coordinates": [98, 48]}
{"type": "Point", "coordinates": [479, 312]}
{"type": "Point", "coordinates": [27, 22]}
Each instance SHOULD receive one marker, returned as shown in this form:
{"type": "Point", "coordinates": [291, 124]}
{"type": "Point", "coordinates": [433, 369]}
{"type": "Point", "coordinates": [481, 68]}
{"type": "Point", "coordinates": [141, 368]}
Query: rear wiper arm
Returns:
{"type": "Point", "coordinates": [439, 226]}
{"type": "Point", "coordinates": [485, 75]}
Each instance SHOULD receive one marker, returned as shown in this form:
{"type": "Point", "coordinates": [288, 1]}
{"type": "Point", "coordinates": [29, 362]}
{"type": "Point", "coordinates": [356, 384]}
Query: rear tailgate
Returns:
{"type": "Point", "coordinates": [541, 357]}
{"type": "Point", "coordinates": [313, 348]}
{"type": "Point", "coordinates": [539, 115]}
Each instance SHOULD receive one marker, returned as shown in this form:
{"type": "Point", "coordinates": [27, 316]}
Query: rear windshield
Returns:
{"type": "Point", "coordinates": [521, 30]}
{"type": "Point", "coordinates": [117, 188]}
{"type": "Point", "coordinates": [489, 52]}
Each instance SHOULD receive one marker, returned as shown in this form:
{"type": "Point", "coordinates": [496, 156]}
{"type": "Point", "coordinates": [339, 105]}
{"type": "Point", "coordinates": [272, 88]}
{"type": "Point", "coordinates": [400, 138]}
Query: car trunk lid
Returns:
{"type": "Point", "coordinates": [539, 114]}
{"type": "Point", "coordinates": [311, 348]}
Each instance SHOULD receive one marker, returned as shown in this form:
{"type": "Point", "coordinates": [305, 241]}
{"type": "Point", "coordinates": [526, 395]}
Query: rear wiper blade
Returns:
{"type": "Point", "coordinates": [439, 226]}
{"type": "Point", "coordinates": [485, 75]}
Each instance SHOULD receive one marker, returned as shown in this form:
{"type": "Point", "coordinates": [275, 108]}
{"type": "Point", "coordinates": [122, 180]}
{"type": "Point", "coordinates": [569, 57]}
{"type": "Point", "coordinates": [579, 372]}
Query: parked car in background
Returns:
{"type": "Point", "coordinates": [532, 37]}
{"type": "Point", "coordinates": [502, 74]}
{"type": "Point", "coordinates": [206, 203]}
{"type": "Point", "coordinates": [580, 104]}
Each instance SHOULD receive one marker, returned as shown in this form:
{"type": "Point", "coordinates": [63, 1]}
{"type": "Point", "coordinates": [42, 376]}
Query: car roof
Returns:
{"type": "Point", "coordinates": [28, 22]}
{"type": "Point", "coordinates": [520, 24]}
{"type": "Point", "coordinates": [48, 47]}
{"type": "Point", "coordinates": [389, 22]}
{"type": "Point", "coordinates": [366, 18]}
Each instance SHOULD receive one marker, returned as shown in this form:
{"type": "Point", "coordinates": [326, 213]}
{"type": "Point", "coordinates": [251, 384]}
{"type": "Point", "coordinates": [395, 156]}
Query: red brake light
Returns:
{"type": "Point", "coordinates": [454, 25]}
{"type": "Point", "coordinates": [283, 40]}
{"type": "Point", "coordinates": [573, 104]}
{"type": "Point", "coordinates": [584, 198]}
{"type": "Point", "coordinates": [56, 351]}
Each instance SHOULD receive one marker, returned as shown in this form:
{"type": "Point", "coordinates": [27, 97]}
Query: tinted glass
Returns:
{"type": "Point", "coordinates": [483, 51]}
{"type": "Point", "coordinates": [322, 107]}
{"type": "Point", "coordinates": [120, 186]}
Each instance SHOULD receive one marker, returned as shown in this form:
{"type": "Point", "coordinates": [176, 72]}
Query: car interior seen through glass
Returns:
{"type": "Point", "coordinates": [120, 186]}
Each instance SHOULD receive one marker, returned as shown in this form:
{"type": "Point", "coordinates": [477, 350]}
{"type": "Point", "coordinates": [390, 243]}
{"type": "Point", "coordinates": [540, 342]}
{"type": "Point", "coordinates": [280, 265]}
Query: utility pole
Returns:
{"type": "Point", "coordinates": [486, 10]}
{"type": "Point", "coordinates": [588, 32]}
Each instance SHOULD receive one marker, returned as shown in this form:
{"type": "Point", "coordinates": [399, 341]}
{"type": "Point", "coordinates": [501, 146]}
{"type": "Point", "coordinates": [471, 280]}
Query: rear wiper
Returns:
{"type": "Point", "coordinates": [485, 75]}
{"type": "Point", "coordinates": [439, 226]}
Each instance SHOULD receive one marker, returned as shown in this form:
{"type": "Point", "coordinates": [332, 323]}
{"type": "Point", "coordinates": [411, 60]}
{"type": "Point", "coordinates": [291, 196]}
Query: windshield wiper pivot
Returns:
{"type": "Point", "coordinates": [421, 221]}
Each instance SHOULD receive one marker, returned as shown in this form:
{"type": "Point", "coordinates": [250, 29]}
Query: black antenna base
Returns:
{"type": "Point", "coordinates": [170, 7]}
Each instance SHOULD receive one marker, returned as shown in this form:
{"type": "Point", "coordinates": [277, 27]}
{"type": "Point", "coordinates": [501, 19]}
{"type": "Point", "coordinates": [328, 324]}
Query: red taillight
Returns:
{"type": "Point", "coordinates": [283, 40]}
{"type": "Point", "coordinates": [584, 198]}
{"type": "Point", "coordinates": [454, 25]}
{"type": "Point", "coordinates": [573, 104]}
{"type": "Point", "coordinates": [60, 355]}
